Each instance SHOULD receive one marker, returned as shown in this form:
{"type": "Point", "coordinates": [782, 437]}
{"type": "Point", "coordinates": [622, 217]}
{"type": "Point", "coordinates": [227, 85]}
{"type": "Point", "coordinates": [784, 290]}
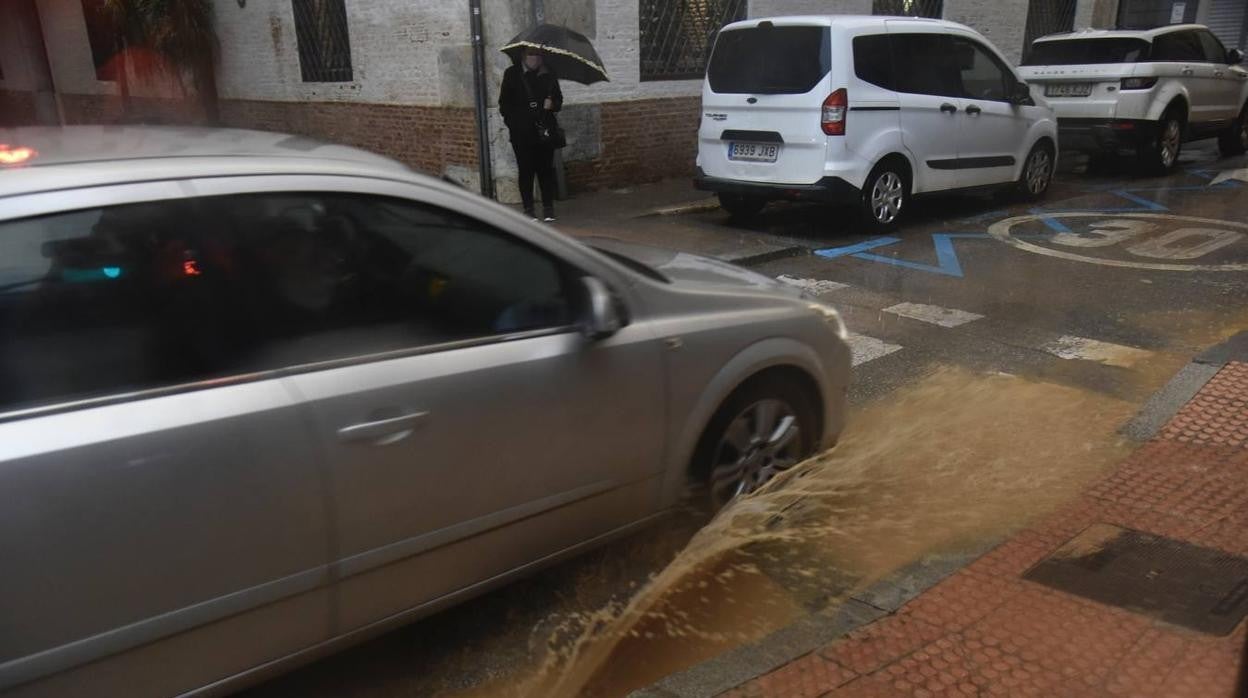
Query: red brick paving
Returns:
{"type": "Point", "coordinates": [984, 631]}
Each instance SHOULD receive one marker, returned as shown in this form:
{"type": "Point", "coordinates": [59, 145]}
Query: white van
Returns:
{"type": "Point", "coordinates": [865, 110]}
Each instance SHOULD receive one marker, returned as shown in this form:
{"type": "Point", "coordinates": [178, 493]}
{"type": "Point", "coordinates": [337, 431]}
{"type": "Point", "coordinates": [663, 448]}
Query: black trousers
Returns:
{"type": "Point", "coordinates": [535, 159]}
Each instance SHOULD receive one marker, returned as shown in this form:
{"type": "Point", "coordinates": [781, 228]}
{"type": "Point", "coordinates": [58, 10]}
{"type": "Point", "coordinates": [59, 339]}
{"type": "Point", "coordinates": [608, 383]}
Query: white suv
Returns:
{"type": "Point", "coordinates": [865, 110]}
{"type": "Point", "coordinates": [1147, 91]}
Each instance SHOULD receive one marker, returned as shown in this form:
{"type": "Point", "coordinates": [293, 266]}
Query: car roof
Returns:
{"type": "Point", "coordinates": [1146, 34]}
{"type": "Point", "coordinates": [74, 156]}
{"type": "Point", "coordinates": [845, 21]}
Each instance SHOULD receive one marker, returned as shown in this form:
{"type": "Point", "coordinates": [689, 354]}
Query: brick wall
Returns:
{"type": "Point", "coordinates": [17, 108]}
{"type": "Point", "coordinates": [427, 139]}
{"type": "Point", "coordinates": [642, 141]}
{"type": "Point", "coordinates": [109, 109]}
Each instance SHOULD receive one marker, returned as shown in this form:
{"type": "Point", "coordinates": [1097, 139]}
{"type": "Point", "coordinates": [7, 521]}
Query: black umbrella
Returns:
{"type": "Point", "coordinates": [567, 53]}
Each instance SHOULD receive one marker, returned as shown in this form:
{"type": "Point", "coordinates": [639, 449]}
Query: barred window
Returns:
{"type": "Point", "coordinates": [1046, 17]}
{"type": "Point", "coordinates": [909, 8]}
{"type": "Point", "coordinates": [677, 35]}
{"type": "Point", "coordinates": [324, 43]}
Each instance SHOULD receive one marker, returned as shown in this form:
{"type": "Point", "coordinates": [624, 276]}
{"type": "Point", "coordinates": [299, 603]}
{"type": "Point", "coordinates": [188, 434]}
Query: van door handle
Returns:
{"type": "Point", "coordinates": [383, 432]}
{"type": "Point", "coordinates": [948, 108]}
{"type": "Point", "coordinates": [1217, 73]}
{"type": "Point", "coordinates": [973, 110]}
{"type": "Point", "coordinates": [1187, 71]}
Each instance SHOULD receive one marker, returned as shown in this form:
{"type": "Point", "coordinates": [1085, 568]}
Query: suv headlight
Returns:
{"type": "Point", "coordinates": [830, 316]}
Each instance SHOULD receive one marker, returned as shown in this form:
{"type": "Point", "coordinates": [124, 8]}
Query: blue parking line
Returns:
{"type": "Point", "coordinates": [834, 252]}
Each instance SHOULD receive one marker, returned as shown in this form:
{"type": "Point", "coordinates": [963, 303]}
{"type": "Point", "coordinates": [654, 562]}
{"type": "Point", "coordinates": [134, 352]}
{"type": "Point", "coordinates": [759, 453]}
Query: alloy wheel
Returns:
{"type": "Point", "coordinates": [1039, 171]}
{"type": "Point", "coordinates": [1170, 140]}
{"type": "Point", "coordinates": [759, 443]}
{"type": "Point", "coordinates": [887, 197]}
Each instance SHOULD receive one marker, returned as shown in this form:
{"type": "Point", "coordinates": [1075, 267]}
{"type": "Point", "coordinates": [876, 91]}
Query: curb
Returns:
{"type": "Point", "coordinates": [740, 665]}
{"type": "Point", "coordinates": [765, 257]}
{"type": "Point", "coordinates": [1167, 402]}
{"type": "Point", "coordinates": [698, 206]}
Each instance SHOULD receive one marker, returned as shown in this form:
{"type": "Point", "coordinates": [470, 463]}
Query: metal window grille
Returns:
{"type": "Point", "coordinates": [324, 43]}
{"type": "Point", "coordinates": [677, 35]}
{"type": "Point", "coordinates": [909, 8]}
{"type": "Point", "coordinates": [1046, 17]}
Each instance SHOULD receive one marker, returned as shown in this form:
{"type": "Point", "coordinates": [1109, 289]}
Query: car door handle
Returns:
{"type": "Point", "coordinates": [383, 432]}
{"type": "Point", "coordinates": [1188, 71]}
{"type": "Point", "coordinates": [1217, 73]}
{"type": "Point", "coordinates": [973, 110]}
{"type": "Point", "coordinates": [948, 108]}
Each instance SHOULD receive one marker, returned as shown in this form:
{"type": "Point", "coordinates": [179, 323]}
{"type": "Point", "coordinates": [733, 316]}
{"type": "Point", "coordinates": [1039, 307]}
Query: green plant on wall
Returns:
{"type": "Point", "coordinates": [179, 32]}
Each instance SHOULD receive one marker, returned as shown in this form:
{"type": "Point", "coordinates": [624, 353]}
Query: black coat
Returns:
{"type": "Point", "coordinates": [522, 114]}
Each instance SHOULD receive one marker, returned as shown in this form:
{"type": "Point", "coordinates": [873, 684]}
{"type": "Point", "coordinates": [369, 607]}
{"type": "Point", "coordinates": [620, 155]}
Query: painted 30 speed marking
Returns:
{"type": "Point", "coordinates": [1139, 240]}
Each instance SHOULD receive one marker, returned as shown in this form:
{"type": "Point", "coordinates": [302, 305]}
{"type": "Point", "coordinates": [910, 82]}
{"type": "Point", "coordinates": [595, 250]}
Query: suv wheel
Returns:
{"type": "Point", "coordinates": [741, 206]}
{"type": "Point", "coordinates": [1235, 140]}
{"type": "Point", "coordinates": [885, 196]}
{"type": "Point", "coordinates": [1161, 154]}
{"type": "Point", "coordinates": [1037, 173]}
{"type": "Point", "coordinates": [762, 430]}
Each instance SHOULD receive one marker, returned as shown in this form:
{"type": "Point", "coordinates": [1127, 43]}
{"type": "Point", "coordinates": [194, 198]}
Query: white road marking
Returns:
{"type": "Point", "coordinates": [1068, 347]}
{"type": "Point", "coordinates": [1241, 174]}
{"type": "Point", "coordinates": [816, 286]}
{"type": "Point", "coordinates": [866, 348]}
{"type": "Point", "coordinates": [934, 314]}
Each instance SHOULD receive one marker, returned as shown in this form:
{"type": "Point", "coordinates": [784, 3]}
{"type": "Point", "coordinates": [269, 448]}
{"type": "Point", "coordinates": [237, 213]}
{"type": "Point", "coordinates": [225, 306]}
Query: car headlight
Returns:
{"type": "Point", "coordinates": [831, 317]}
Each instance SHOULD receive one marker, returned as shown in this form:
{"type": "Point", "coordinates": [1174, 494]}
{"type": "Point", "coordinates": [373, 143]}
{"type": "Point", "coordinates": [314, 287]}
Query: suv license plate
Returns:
{"type": "Point", "coordinates": [753, 152]}
{"type": "Point", "coordinates": [1074, 89]}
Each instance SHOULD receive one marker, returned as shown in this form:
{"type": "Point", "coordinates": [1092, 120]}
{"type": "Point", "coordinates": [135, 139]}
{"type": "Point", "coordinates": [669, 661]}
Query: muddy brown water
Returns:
{"type": "Point", "coordinates": [953, 461]}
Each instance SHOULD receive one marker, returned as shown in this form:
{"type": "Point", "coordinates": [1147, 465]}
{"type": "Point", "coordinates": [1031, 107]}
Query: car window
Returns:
{"type": "Point", "coordinates": [924, 64]}
{"type": "Point", "coordinates": [982, 75]}
{"type": "Point", "coordinates": [126, 298]}
{"type": "Point", "coordinates": [873, 60]}
{"type": "Point", "coordinates": [1087, 52]}
{"type": "Point", "coordinates": [769, 60]}
{"type": "Point", "coordinates": [1214, 51]}
{"type": "Point", "coordinates": [1178, 47]}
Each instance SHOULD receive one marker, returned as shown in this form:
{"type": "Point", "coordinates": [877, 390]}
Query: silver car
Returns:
{"type": "Point", "coordinates": [262, 398]}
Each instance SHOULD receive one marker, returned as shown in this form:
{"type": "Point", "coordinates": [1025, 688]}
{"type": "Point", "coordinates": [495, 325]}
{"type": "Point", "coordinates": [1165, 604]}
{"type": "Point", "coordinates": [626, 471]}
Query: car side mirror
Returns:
{"type": "Point", "coordinates": [1021, 95]}
{"type": "Point", "coordinates": [1234, 56]}
{"type": "Point", "coordinates": [601, 314]}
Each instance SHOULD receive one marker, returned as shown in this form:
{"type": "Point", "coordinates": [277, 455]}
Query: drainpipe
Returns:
{"type": "Point", "coordinates": [484, 169]}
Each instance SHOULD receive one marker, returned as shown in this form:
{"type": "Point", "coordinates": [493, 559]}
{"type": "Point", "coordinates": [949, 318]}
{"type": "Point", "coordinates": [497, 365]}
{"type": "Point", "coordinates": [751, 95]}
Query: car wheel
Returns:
{"type": "Point", "coordinates": [1037, 173]}
{"type": "Point", "coordinates": [885, 196]}
{"type": "Point", "coordinates": [762, 430]}
{"type": "Point", "coordinates": [1235, 140]}
{"type": "Point", "coordinates": [741, 206]}
{"type": "Point", "coordinates": [1161, 154]}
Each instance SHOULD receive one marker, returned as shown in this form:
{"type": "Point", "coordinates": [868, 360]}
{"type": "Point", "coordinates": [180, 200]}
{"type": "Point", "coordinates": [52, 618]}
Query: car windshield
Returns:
{"type": "Point", "coordinates": [1087, 51]}
{"type": "Point", "coordinates": [769, 60]}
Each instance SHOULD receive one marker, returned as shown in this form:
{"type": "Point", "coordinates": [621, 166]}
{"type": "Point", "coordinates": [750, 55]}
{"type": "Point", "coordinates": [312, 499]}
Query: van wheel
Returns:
{"type": "Point", "coordinates": [1161, 154]}
{"type": "Point", "coordinates": [1235, 140]}
{"type": "Point", "coordinates": [766, 427]}
{"type": "Point", "coordinates": [885, 195]}
{"type": "Point", "coordinates": [741, 206]}
{"type": "Point", "coordinates": [1037, 174]}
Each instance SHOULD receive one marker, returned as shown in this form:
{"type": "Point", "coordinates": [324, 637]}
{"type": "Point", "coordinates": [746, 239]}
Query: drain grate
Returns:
{"type": "Point", "coordinates": [1173, 581]}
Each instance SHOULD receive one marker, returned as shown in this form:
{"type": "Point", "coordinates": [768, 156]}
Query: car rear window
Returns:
{"type": "Point", "coordinates": [1087, 52]}
{"type": "Point", "coordinates": [769, 60]}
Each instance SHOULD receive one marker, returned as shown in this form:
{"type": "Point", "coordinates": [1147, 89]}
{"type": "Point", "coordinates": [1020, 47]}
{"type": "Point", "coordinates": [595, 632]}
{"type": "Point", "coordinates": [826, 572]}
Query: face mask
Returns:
{"type": "Point", "coordinates": [532, 62]}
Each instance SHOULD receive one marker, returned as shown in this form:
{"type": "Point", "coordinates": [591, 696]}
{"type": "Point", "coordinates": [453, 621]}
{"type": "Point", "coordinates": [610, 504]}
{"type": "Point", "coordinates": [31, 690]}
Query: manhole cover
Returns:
{"type": "Point", "coordinates": [1177, 582]}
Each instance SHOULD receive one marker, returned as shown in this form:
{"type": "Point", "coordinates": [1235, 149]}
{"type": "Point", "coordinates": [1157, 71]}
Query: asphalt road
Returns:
{"type": "Point", "coordinates": [1092, 299]}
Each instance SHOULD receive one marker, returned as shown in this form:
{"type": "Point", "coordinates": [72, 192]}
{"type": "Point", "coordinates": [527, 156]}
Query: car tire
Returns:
{"type": "Point", "coordinates": [1037, 173]}
{"type": "Point", "coordinates": [1161, 153]}
{"type": "Point", "coordinates": [741, 206]}
{"type": "Point", "coordinates": [885, 196]}
{"type": "Point", "coordinates": [1235, 140]}
{"type": "Point", "coordinates": [744, 446]}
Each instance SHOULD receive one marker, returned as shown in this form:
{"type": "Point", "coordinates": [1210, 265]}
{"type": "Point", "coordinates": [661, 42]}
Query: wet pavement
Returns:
{"type": "Point", "coordinates": [998, 348]}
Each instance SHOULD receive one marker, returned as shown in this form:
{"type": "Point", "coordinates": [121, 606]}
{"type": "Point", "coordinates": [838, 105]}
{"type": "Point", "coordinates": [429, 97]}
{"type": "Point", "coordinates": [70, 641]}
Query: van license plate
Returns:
{"type": "Point", "coordinates": [753, 152]}
{"type": "Point", "coordinates": [1073, 89]}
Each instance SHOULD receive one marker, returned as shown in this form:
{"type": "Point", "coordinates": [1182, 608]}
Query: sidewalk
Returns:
{"type": "Point", "coordinates": [1046, 612]}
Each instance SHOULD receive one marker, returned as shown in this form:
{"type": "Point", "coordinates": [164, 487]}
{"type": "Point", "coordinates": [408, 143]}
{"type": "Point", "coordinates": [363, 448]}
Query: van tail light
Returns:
{"type": "Point", "coordinates": [835, 111]}
{"type": "Point", "coordinates": [1138, 83]}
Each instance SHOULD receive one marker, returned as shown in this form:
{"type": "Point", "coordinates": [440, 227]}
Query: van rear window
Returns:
{"type": "Point", "coordinates": [1087, 52]}
{"type": "Point", "coordinates": [769, 60]}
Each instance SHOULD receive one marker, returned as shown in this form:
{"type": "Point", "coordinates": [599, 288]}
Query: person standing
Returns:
{"type": "Point", "coordinates": [528, 101]}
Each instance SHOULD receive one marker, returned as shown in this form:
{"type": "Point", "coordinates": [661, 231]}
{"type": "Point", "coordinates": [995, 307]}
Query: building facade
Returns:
{"type": "Point", "coordinates": [396, 76]}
